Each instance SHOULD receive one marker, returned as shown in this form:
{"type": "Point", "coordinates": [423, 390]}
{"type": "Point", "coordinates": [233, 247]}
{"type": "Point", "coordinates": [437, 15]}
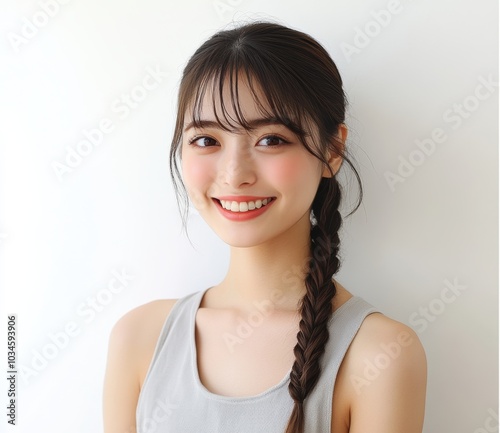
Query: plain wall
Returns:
{"type": "Point", "coordinates": [422, 81]}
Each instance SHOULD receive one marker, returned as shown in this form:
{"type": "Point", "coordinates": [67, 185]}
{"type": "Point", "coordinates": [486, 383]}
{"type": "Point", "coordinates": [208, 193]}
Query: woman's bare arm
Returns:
{"type": "Point", "coordinates": [131, 346]}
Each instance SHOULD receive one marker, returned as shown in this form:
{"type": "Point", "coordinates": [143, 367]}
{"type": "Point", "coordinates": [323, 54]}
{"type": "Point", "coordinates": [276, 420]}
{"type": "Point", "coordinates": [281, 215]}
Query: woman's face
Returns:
{"type": "Point", "coordinates": [243, 170]}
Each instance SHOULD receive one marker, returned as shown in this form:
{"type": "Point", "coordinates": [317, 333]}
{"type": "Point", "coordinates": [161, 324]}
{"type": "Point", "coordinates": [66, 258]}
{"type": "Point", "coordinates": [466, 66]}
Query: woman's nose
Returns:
{"type": "Point", "coordinates": [237, 167]}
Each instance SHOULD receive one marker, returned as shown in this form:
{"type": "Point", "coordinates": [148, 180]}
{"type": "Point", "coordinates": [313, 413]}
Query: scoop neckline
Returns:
{"type": "Point", "coordinates": [194, 359]}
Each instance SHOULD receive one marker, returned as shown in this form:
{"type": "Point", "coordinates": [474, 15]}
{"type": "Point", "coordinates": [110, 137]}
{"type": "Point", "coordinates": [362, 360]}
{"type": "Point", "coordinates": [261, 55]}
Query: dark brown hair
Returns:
{"type": "Point", "coordinates": [303, 91]}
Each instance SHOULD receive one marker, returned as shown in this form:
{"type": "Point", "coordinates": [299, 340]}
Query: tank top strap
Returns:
{"type": "Point", "coordinates": [343, 327]}
{"type": "Point", "coordinates": [171, 358]}
{"type": "Point", "coordinates": [180, 317]}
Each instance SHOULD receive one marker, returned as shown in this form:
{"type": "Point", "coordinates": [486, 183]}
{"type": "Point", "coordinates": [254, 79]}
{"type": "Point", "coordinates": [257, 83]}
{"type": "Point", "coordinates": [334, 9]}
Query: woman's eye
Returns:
{"type": "Point", "coordinates": [272, 141]}
{"type": "Point", "coordinates": [203, 141]}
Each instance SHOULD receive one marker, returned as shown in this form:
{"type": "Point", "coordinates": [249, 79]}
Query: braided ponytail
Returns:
{"type": "Point", "coordinates": [316, 305]}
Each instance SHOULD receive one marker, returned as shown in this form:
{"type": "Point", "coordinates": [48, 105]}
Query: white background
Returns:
{"type": "Point", "coordinates": [60, 240]}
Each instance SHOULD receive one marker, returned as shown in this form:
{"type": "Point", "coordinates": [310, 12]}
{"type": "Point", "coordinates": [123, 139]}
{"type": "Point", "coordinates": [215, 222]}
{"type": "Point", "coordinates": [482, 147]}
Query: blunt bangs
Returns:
{"type": "Point", "coordinates": [273, 99]}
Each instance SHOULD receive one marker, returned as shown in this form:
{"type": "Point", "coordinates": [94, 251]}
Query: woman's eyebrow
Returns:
{"type": "Point", "coordinates": [254, 123]}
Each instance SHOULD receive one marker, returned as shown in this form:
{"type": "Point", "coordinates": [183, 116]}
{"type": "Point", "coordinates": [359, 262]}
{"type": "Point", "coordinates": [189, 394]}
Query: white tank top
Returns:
{"type": "Point", "coordinates": [173, 399]}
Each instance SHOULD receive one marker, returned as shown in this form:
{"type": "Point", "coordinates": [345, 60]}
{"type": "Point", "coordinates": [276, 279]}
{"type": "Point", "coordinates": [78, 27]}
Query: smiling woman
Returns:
{"type": "Point", "coordinates": [225, 162]}
{"type": "Point", "coordinates": [260, 136]}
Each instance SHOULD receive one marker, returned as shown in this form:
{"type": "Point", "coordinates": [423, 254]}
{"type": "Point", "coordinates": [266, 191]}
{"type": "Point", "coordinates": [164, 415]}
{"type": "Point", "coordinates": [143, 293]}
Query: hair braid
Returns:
{"type": "Point", "coordinates": [316, 305]}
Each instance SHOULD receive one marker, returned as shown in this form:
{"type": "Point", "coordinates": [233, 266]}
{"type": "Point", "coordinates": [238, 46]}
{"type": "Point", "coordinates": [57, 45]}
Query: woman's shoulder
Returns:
{"type": "Point", "coordinates": [381, 334]}
{"type": "Point", "coordinates": [386, 358]}
{"type": "Point", "coordinates": [131, 345]}
{"type": "Point", "coordinates": [142, 324]}
{"type": "Point", "coordinates": [382, 341]}
{"type": "Point", "coordinates": [376, 329]}
{"type": "Point", "coordinates": [136, 333]}
{"type": "Point", "coordinates": [130, 326]}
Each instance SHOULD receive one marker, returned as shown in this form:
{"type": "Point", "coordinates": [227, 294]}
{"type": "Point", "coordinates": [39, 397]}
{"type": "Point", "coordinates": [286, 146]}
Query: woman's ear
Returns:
{"type": "Point", "coordinates": [334, 158]}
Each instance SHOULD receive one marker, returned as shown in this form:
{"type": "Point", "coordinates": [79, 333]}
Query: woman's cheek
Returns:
{"type": "Point", "coordinates": [294, 171]}
{"type": "Point", "coordinates": [192, 171]}
{"type": "Point", "coordinates": [195, 178]}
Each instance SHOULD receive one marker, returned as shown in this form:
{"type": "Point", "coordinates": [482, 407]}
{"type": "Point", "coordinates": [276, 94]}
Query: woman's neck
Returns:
{"type": "Point", "coordinates": [273, 271]}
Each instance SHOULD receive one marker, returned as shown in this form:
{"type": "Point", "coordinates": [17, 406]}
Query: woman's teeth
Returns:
{"type": "Point", "coordinates": [243, 206]}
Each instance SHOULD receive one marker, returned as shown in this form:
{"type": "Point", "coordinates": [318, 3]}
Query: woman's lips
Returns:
{"type": "Point", "coordinates": [244, 206]}
{"type": "Point", "coordinates": [243, 215]}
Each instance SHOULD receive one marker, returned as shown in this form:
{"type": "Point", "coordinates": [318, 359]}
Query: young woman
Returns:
{"type": "Point", "coordinates": [278, 346]}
